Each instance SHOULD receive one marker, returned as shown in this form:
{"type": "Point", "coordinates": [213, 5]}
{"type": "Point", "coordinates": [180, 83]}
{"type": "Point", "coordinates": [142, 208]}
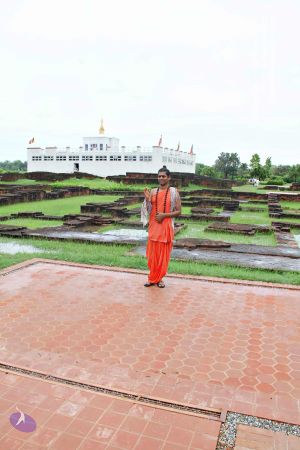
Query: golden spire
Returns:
{"type": "Point", "coordinates": [101, 129]}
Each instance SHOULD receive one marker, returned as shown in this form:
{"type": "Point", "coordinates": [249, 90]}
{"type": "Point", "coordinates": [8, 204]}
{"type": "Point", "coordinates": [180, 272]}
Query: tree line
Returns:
{"type": "Point", "coordinates": [228, 165]}
{"type": "Point", "coordinates": [13, 166]}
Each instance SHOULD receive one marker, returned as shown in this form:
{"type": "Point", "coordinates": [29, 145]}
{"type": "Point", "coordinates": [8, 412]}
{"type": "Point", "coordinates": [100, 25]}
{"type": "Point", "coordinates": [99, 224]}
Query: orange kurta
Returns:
{"type": "Point", "coordinates": [160, 239]}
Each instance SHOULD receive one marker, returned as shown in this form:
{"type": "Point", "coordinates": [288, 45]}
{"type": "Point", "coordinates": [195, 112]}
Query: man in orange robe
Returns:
{"type": "Point", "coordinates": [163, 204]}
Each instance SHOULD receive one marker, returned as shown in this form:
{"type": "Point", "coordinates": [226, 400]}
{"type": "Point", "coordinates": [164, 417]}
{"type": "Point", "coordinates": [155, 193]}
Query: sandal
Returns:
{"type": "Point", "coordinates": [161, 284]}
{"type": "Point", "coordinates": [149, 284]}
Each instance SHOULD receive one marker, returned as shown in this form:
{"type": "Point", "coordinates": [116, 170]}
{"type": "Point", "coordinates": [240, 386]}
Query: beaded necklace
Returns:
{"type": "Point", "coordinates": [165, 200]}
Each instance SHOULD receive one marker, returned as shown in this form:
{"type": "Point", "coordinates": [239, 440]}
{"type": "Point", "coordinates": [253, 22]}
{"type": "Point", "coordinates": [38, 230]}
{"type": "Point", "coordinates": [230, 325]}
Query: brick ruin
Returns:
{"type": "Point", "coordinates": [208, 205]}
{"type": "Point", "coordinates": [179, 179]}
{"type": "Point", "coordinates": [10, 194]}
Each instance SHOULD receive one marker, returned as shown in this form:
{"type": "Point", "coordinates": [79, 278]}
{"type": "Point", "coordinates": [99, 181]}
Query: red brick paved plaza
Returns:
{"type": "Point", "coordinates": [212, 344]}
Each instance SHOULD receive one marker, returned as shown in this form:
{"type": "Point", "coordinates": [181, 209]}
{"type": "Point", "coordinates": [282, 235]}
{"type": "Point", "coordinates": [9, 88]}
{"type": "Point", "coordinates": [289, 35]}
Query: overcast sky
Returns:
{"type": "Point", "coordinates": [223, 75]}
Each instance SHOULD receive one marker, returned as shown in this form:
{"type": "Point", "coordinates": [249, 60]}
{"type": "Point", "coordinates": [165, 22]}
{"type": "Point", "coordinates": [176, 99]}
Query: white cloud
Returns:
{"type": "Point", "coordinates": [158, 21]}
{"type": "Point", "coordinates": [222, 75]}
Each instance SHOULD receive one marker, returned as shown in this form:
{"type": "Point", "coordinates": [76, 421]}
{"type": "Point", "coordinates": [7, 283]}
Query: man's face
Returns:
{"type": "Point", "coordinates": [163, 178]}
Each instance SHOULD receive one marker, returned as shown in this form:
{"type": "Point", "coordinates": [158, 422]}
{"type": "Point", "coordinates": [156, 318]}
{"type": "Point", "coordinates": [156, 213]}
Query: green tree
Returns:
{"type": "Point", "coordinates": [211, 172]}
{"type": "Point", "coordinates": [199, 168]}
{"type": "Point", "coordinates": [14, 166]}
{"type": "Point", "coordinates": [255, 164]}
{"type": "Point", "coordinates": [256, 169]}
{"type": "Point", "coordinates": [243, 171]}
{"type": "Point", "coordinates": [228, 164]}
{"type": "Point", "coordinates": [294, 173]}
{"type": "Point", "coordinates": [281, 170]}
{"type": "Point", "coordinates": [202, 169]}
{"type": "Point", "coordinates": [268, 167]}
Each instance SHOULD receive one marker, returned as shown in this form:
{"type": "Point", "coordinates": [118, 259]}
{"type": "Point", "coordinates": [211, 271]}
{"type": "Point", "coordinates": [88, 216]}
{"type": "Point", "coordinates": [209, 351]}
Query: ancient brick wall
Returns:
{"type": "Point", "coordinates": [295, 187]}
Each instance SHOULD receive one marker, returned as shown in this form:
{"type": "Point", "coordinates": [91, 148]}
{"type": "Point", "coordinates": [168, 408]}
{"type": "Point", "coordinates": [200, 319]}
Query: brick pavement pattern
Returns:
{"type": "Point", "coordinates": [212, 344]}
{"type": "Point", "coordinates": [251, 438]}
{"type": "Point", "coordinates": [72, 419]}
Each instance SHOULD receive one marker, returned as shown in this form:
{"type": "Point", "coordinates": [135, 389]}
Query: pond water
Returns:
{"type": "Point", "coordinates": [297, 237]}
{"type": "Point", "coordinates": [11, 248]}
{"type": "Point", "coordinates": [131, 233]}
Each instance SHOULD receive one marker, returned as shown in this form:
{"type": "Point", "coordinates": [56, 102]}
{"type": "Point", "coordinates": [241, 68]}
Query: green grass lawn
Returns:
{"type": "Point", "coordinates": [24, 181]}
{"type": "Point", "coordinates": [252, 218]}
{"type": "Point", "coordinates": [32, 223]}
{"type": "Point", "coordinates": [249, 188]}
{"type": "Point", "coordinates": [290, 205]}
{"type": "Point", "coordinates": [196, 230]}
{"type": "Point", "coordinates": [100, 184]}
{"type": "Point", "coordinates": [186, 210]}
{"type": "Point", "coordinates": [258, 218]}
{"type": "Point", "coordinates": [260, 189]}
{"type": "Point", "coordinates": [254, 205]}
{"type": "Point", "coordinates": [135, 218]}
{"type": "Point", "coordinates": [193, 187]}
{"type": "Point", "coordinates": [86, 182]}
{"type": "Point", "coordinates": [112, 185]}
{"type": "Point", "coordinates": [217, 210]}
{"type": "Point", "coordinates": [116, 255]}
{"type": "Point", "coordinates": [287, 219]}
{"type": "Point", "coordinates": [68, 205]}
{"type": "Point", "coordinates": [135, 205]}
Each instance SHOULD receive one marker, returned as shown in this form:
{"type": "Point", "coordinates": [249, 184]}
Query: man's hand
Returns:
{"type": "Point", "coordinates": [147, 194]}
{"type": "Point", "coordinates": [160, 217]}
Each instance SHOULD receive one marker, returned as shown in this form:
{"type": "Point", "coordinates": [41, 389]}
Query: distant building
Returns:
{"type": "Point", "coordinates": [102, 156]}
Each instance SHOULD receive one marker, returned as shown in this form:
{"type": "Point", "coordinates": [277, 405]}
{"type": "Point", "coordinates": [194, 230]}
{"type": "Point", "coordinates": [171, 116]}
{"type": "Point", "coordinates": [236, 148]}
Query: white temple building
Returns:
{"type": "Point", "coordinates": [102, 156]}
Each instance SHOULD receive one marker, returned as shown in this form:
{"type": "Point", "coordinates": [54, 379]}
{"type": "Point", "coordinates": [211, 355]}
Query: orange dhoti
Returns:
{"type": "Point", "coordinates": [158, 254]}
{"type": "Point", "coordinates": [160, 239]}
